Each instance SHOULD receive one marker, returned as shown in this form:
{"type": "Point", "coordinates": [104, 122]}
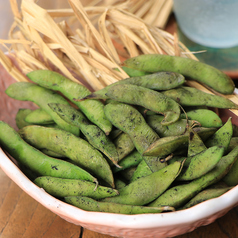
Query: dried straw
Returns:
{"type": "Point", "coordinates": [87, 42]}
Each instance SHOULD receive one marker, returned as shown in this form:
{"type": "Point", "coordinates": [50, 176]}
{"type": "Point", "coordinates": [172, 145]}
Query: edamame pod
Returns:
{"type": "Point", "coordinates": [72, 147]}
{"type": "Point", "coordinates": [201, 72]}
{"type": "Point", "coordinates": [167, 145]}
{"type": "Point", "coordinates": [130, 121]}
{"type": "Point", "coordinates": [177, 128]}
{"type": "Point", "coordinates": [61, 187]}
{"type": "Point", "coordinates": [26, 91]}
{"type": "Point", "coordinates": [188, 96]}
{"type": "Point", "coordinates": [124, 145]}
{"type": "Point", "coordinates": [157, 81]}
{"type": "Point", "coordinates": [150, 99]}
{"type": "Point", "coordinates": [131, 160]}
{"type": "Point", "coordinates": [195, 143]}
{"type": "Point", "coordinates": [89, 204]}
{"type": "Point", "coordinates": [95, 136]}
{"type": "Point", "coordinates": [20, 117]}
{"type": "Point", "coordinates": [144, 190]}
{"type": "Point", "coordinates": [222, 136]}
{"type": "Point", "coordinates": [178, 195]}
{"type": "Point", "coordinates": [207, 118]}
{"type": "Point", "coordinates": [206, 195]}
{"type": "Point", "coordinates": [201, 163]}
{"type": "Point", "coordinates": [93, 109]}
{"type": "Point", "coordinates": [35, 160]}
{"type": "Point", "coordinates": [39, 117]}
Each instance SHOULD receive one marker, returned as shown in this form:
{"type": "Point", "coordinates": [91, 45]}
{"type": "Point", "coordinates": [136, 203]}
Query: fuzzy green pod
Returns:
{"type": "Point", "coordinates": [93, 109]}
{"type": "Point", "coordinates": [207, 118]}
{"type": "Point", "coordinates": [201, 163]}
{"type": "Point", "coordinates": [177, 128]}
{"type": "Point", "coordinates": [20, 117]}
{"type": "Point", "coordinates": [150, 99]}
{"type": "Point", "coordinates": [179, 195]}
{"type": "Point", "coordinates": [35, 160]}
{"type": "Point", "coordinates": [72, 147]}
{"type": "Point", "coordinates": [205, 195]}
{"type": "Point", "coordinates": [26, 91]}
{"type": "Point", "coordinates": [95, 136]}
{"type": "Point", "coordinates": [129, 120]}
{"type": "Point", "coordinates": [222, 136]}
{"type": "Point", "coordinates": [61, 187]}
{"type": "Point", "coordinates": [144, 190]}
{"type": "Point", "coordinates": [188, 96]}
{"type": "Point", "coordinates": [90, 204]}
{"type": "Point", "coordinates": [39, 117]}
{"type": "Point", "coordinates": [167, 145]}
{"type": "Point", "coordinates": [157, 81]}
{"type": "Point", "coordinates": [201, 72]}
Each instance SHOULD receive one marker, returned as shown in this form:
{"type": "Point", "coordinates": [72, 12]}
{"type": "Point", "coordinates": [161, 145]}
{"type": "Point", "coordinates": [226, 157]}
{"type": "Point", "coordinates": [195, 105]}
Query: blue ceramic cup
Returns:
{"type": "Point", "coordinates": [212, 23]}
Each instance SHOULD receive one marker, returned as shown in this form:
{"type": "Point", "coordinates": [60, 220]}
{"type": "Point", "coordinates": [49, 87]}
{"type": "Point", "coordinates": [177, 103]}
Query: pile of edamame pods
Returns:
{"type": "Point", "coordinates": [145, 144]}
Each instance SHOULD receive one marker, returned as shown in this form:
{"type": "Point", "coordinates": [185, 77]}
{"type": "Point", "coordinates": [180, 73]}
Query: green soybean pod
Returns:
{"type": "Point", "coordinates": [206, 117]}
{"type": "Point", "coordinates": [205, 195]}
{"type": "Point", "coordinates": [222, 136]}
{"type": "Point", "coordinates": [131, 160]}
{"type": "Point", "coordinates": [177, 128]}
{"type": "Point", "coordinates": [124, 145]}
{"type": "Point", "coordinates": [62, 187]}
{"type": "Point", "coordinates": [134, 72]}
{"type": "Point", "coordinates": [35, 160]}
{"type": "Point", "coordinates": [188, 96]}
{"type": "Point", "coordinates": [169, 144]}
{"type": "Point", "coordinates": [142, 170]}
{"type": "Point", "coordinates": [20, 117]}
{"type": "Point", "coordinates": [150, 99]}
{"type": "Point", "coordinates": [89, 204]}
{"type": "Point", "coordinates": [129, 120]}
{"type": "Point", "coordinates": [26, 91]}
{"type": "Point", "coordinates": [72, 147]}
{"type": "Point", "coordinates": [95, 136]}
{"type": "Point", "coordinates": [179, 195]}
{"type": "Point", "coordinates": [156, 81]}
{"type": "Point", "coordinates": [39, 117]}
{"type": "Point", "coordinates": [93, 109]}
{"type": "Point", "coordinates": [201, 72]}
{"type": "Point", "coordinates": [195, 143]}
{"type": "Point", "coordinates": [201, 163]}
{"type": "Point", "coordinates": [146, 189]}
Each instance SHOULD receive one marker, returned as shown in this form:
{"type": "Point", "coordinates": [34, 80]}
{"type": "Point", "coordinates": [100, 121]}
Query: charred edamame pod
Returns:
{"type": "Point", "coordinates": [145, 189]}
{"type": "Point", "coordinates": [178, 195]}
{"type": "Point", "coordinates": [95, 136]}
{"type": "Point", "coordinates": [129, 120]}
{"type": "Point", "coordinates": [62, 187]}
{"type": "Point", "coordinates": [26, 91]}
{"type": "Point", "coordinates": [201, 72]}
{"type": "Point", "coordinates": [150, 99]}
{"type": "Point", "coordinates": [166, 145]}
{"type": "Point", "coordinates": [207, 118]}
{"type": "Point", "coordinates": [206, 195]}
{"type": "Point", "coordinates": [90, 204]}
{"type": "Point", "coordinates": [39, 117]}
{"type": "Point", "coordinates": [72, 147]}
{"type": "Point", "coordinates": [35, 160]}
{"type": "Point", "coordinates": [93, 109]}
{"type": "Point", "coordinates": [188, 96]}
{"type": "Point", "coordinates": [157, 81]}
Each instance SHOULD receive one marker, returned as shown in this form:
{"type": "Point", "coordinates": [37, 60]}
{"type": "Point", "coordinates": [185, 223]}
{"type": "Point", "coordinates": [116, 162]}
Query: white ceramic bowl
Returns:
{"type": "Point", "coordinates": [146, 225]}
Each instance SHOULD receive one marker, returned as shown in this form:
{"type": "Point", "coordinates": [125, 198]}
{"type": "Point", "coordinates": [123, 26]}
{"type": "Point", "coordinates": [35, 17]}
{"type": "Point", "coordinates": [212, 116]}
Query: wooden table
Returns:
{"type": "Point", "coordinates": [23, 217]}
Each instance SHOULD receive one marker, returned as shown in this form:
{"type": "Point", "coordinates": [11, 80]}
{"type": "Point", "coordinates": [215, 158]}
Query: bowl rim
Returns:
{"type": "Point", "coordinates": [139, 221]}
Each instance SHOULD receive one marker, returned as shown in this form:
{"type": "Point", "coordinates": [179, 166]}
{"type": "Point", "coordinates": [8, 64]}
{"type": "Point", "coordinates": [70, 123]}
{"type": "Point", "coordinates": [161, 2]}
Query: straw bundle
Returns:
{"type": "Point", "coordinates": [88, 42]}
